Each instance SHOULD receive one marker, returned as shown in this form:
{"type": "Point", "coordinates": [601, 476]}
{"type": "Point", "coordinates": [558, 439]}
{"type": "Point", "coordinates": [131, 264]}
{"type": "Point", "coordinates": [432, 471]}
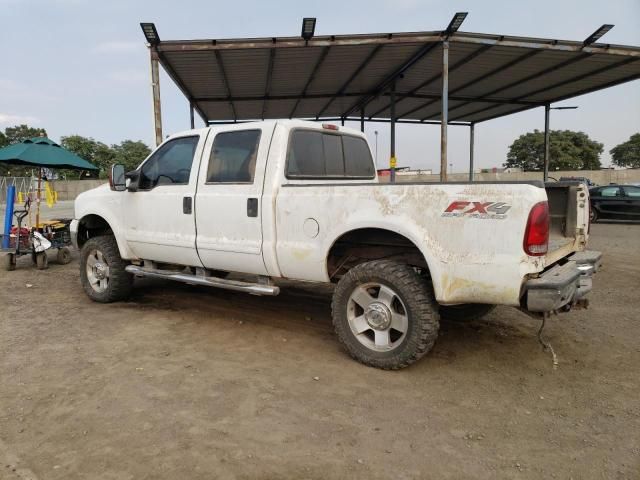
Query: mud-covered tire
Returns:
{"type": "Point", "coordinates": [119, 283]}
{"type": "Point", "coordinates": [63, 256]}
{"type": "Point", "coordinates": [42, 261]}
{"type": "Point", "coordinates": [412, 295]}
{"type": "Point", "coordinates": [465, 312]}
{"type": "Point", "coordinates": [10, 262]}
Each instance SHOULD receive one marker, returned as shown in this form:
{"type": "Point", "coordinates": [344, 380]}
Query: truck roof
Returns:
{"type": "Point", "coordinates": [289, 123]}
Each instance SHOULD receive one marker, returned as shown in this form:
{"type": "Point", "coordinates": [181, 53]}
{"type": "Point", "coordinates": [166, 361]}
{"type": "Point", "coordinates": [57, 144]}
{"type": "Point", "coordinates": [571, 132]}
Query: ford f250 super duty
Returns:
{"type": "Point", "coordinates": [301, 200]}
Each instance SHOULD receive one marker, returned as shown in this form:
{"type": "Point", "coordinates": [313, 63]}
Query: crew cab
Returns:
{"type": "Point", "coordinates": [301, 201]}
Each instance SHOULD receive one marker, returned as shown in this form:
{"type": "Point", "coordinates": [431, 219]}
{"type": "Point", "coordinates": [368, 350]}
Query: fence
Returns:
{"type": "Point", "coordinates": [66, 189]}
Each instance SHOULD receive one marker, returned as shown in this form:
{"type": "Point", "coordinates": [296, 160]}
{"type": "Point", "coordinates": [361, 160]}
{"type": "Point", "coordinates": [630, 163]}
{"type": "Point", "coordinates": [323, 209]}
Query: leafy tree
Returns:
{"type": "Point", "coordinates": [4, 141]}
{"type": "Point", "coordinates": [568, 150]}
{"type": "Point", "coordinates": [23, 132]}
{"type": "Point", "coordinates": [101, 155]}
{"type": "Point", "coordinates": [130, 153]}
{"type": "Point", "coordinates": [627, 154]}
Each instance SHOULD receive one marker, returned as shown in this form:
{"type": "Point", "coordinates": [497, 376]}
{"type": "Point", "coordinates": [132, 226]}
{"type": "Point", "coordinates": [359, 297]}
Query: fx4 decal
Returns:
{"type": "Point", "coordinates": [491, 210]}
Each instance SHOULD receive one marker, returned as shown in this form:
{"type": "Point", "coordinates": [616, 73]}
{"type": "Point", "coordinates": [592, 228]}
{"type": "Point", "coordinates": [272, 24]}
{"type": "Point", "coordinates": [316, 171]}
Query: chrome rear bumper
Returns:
{"type": "Point", "coordinates": [563, 286]}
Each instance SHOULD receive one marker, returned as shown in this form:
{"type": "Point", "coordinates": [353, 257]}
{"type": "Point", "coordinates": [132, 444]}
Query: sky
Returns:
{"type": "Point", "coordinates": [82, 67]}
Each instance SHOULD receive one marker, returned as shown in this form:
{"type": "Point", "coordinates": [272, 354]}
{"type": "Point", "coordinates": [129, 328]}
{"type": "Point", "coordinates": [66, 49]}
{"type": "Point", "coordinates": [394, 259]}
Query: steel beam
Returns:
{"type": "Point", "coordinates": [192, 120]}
{"type": "Point", "coordinates": [389, 79]}
{"type": "Point", "coordinates": [267, 86]}
{"type": "Point", "coordinates": [445, 111]}
{"type": "Point", "coordinates": [312, 75]}
{"type": "Point", "coordinates": [155, 94]}
{"type": "Point", "coordinates": [362, 120]}
{"type": "Point", "coordinates": [391, 39]}
{"type": "Point", "coordinates": [225, 81]}
{"type": "Point", "coordinates": [472, 130]}
{"type": "Point", "coordinates": [547, 111]}
{"type": "Point", "coordinates": [435, 77]}
{"type": "Point", "coordinates": [346, 84]}
{"type": "Point", "coordinates": [392, 157]}
{"type": "Point", "coordinates": [539, 74]}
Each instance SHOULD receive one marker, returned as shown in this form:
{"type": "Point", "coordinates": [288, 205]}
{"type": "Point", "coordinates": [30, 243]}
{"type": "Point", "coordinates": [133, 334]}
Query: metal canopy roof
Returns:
{"type": "Point", "coordinates": [345, 76]}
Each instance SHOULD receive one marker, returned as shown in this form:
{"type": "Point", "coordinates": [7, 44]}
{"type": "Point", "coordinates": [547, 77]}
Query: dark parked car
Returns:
{"type": "Point", "coordinates": [584, 180]}
{"type": "Point", "coordinates": [621, 202]}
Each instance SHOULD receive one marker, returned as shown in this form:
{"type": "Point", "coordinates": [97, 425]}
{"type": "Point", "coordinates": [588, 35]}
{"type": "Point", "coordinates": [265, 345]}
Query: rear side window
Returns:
{"type": "Point", "coordinates": [314, 154]}
{"type": "Point", "coordinates": [632, 191]}
{"type": "Point", "coordinates": [233, 157]}
{"type": "Point", "coordinates": [170, 164]}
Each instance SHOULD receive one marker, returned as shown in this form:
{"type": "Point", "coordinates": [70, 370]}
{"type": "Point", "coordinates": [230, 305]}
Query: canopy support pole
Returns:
{"type": "Point", "coordinates": [362, 120]}
{"type": "Point", "coordinates": [191, 116]}
{"type": "Point", "coordinates": [155, 91]}
{"type": "Point", "coordinates": [342, 121]}
{"type": "Point", "coordinates": [392, 159]}
{"type": "Point", "coordinates": [445, 111]}
{"type": "Point", "coordinates": [472, 129]}
{"type": "Point", "coordinates": [547, 111]}
{"type": "Point", "coordinates": [38, 198]}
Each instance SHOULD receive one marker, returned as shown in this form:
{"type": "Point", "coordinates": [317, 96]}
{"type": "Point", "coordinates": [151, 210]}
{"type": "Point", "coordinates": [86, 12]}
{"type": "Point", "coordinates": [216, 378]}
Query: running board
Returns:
{"type": "Point", "coordinates": [253, 288]}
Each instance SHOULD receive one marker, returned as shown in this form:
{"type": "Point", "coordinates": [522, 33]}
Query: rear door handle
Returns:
{"type": "Point", "coordinates": [252, 207]}
{"type": "Point", "coordinates": [187, 205]}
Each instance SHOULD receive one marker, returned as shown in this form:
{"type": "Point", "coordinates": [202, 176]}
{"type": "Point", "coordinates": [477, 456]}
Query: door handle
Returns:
{"type": "Point", "coordinates": [187, 205]}
{"type": "Point", "coordinates": [252, 207]}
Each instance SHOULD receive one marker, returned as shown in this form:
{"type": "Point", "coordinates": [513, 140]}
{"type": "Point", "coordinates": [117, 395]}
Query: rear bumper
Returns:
{"type": "Point", "coordinates": [563, 286]}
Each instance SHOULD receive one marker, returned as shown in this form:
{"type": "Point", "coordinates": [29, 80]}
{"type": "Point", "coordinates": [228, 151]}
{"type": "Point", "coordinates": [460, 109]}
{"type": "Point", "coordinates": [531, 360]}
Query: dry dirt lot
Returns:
{"type": "Point", "coordinates": [193, 383]}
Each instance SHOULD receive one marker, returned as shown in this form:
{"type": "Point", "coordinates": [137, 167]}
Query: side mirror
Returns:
{"type": "Point", "coordinates": [131, 180]}
{"type": "Point", "coordinates": [116, 179]}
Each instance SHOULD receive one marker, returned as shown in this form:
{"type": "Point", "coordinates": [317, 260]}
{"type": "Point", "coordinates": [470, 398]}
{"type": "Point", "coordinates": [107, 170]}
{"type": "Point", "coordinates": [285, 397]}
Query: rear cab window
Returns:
{"type": "Point", "coordinates": [320, 155]}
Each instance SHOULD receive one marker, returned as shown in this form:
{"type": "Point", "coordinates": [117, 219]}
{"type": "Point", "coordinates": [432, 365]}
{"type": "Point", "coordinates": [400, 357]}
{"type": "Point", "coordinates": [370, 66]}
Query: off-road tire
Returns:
{"type": "Point", "coordinates": [64, 256]}
{"type": "Point", "coordinates": [466, 312]}
{"type": "Point", "coordinates": [120, 282]}
{"type": "Point", "coordinates": [417, 296]}
{"type": "Point", "coordinates": [10, 262]}
{"type": "Point", "coordinates": [42, 261]}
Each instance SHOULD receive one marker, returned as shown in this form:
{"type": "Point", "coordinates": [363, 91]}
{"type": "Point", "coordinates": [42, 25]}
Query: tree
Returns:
{"type": "Point", "coordinates": [101, 155]}
{"type": "Point", "coordinates": [568, 150]}
{"type": "Point", "coordinates": [4, 141]}
{"type": "Point", "coordinates": [130, 153]}
{"type": "Point", "coordinates": [23, 132]}
{"type": "Point", "coordinates": [627, 154]}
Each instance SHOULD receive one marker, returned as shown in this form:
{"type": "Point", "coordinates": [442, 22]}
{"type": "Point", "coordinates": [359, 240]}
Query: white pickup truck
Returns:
{"type": "Point", "coordinates": [300, 200]}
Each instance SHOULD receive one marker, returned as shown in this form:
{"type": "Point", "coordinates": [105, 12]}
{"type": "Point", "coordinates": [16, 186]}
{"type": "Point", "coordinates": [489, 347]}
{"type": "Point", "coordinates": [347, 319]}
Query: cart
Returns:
{"type": "Point", "coordinates": [36, 241]}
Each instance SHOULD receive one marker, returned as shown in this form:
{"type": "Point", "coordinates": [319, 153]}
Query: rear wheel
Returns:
{"type": "Point", "coordinates": [64, 255]}
{"type": "Point", "coordinates": [385, 314]}
{"type": "Point", "coordinates": [593, 216]}
{"type": "Point", "coordinates": [102, 270]}
{"type": "Point", "coordinates": [465, 311]}
{"type": "Point", "coordinates": [42, 261]}
{"type": "Point", "coordinates": [10, 261]}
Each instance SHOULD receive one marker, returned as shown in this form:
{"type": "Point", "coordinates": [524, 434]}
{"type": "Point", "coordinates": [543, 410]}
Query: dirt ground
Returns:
{"type": "Point", "coordinates": [187, 382]}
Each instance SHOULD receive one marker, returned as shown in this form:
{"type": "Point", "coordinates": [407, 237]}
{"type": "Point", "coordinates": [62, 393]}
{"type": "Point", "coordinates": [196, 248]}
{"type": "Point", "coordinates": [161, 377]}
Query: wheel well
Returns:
{"type": "Point", "coordinates": [365, 244]}
{"type": "Point", "coordinates": [92, 226]}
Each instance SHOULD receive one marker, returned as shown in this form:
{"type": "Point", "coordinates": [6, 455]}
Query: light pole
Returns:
{"type": "Point", "coordinates": [547, 134]}
{"type": "Point", "coordinates": [376, 132]}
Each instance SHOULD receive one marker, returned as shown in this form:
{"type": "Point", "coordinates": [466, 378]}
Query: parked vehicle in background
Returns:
{"type": "Point", "coordinates": [584, 180]}
{"type": "Point", "coordinates": [301, 200]}
{"type": "Point", "coordinates": [615, 202]}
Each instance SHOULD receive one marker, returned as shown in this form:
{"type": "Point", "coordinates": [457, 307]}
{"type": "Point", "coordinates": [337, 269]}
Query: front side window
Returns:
{"type": "Point", "coordinates": [632, 191]}
{"type": "Point", "coordinates": [610, 192]}
{"type": "Point", "coordinates": [233, 157]}
{"type": "Point", "coordinates": [315, 154]}
{"type": "Point", "coordinates": [170, 164]}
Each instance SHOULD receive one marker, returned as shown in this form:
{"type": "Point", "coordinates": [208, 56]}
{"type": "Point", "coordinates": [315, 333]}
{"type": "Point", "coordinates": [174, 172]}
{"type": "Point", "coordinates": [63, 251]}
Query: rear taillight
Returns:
{"type": "Point", "coordinates": [536, 235]}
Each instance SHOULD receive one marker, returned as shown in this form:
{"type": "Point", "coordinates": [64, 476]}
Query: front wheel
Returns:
{"type": "Point", "coordinates": [593, 216]}
{"type": "Point", "coordinates": [102, 270]}
{"type": "Point", "coordinates": [385, 314]}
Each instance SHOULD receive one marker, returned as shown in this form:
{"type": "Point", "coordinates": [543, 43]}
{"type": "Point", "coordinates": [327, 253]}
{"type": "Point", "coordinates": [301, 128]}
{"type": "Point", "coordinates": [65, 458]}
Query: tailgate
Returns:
{"type": "Point", "coordinates": [569, 219]}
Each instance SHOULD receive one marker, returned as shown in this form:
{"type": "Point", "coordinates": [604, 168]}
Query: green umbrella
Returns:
{"type": "Point", "coordinates": [43, 152]}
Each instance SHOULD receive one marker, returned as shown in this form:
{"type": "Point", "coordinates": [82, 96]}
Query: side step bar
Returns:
{"type": "Point", "coordinates": [253, 288]}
